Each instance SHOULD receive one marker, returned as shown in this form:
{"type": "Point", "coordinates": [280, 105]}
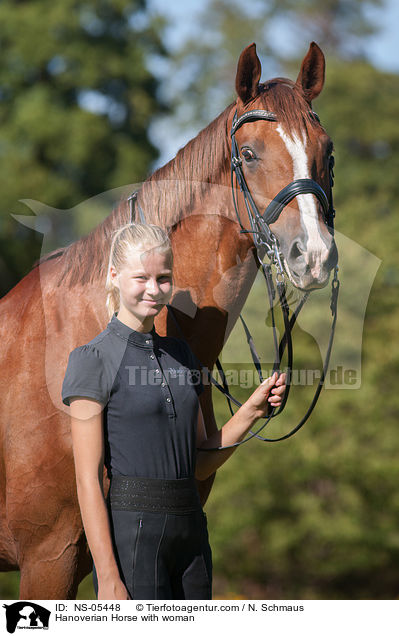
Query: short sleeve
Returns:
{"type": "Point", "coordinates": [85, 376]}
{"type": "Point", "coordinates": [195, 368]}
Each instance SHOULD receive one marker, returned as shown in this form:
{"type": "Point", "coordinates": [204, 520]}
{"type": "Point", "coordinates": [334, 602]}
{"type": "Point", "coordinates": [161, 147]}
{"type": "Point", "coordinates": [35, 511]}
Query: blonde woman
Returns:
{"type": "Point", "coordinates": [134, 408]}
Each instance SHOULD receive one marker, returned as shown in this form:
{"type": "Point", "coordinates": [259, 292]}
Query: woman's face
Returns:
{"type": "Point", "coordinates": [145, 284]}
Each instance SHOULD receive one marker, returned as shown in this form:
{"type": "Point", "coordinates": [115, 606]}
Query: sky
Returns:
{"type": "Point", "coordinates": [383, 48]}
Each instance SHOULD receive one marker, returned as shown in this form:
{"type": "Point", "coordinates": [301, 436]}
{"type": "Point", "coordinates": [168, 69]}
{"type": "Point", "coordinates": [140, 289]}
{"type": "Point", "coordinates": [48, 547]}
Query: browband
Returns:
{"type": "Point", "coordinates": [254, 115]}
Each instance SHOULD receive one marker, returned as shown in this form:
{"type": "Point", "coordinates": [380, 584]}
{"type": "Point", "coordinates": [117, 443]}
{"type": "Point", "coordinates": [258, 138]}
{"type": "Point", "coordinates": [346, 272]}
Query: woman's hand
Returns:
{"type": "Point", "coordinates": [268, 394]}
{"type": "Point", "coordinates": [112, 590]}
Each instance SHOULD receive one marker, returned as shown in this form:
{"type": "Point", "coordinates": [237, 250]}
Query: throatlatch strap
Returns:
{"type": "Point", "coordinates": [132, 203]}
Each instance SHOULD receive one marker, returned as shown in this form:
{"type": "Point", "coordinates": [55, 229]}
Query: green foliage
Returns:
{"type": "Point", "coordinates": [76, 99]}
{"type": "Point", "coordinates": [9, 586]}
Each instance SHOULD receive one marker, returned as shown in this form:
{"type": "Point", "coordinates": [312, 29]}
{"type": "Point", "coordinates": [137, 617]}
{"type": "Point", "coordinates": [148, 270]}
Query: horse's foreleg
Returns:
{"type": "Point", "coordinates": [205, 486]}
{"type": "Point", "coordinates": [54, 576]}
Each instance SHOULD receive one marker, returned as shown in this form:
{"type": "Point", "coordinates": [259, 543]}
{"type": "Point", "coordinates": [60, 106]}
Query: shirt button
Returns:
{"type": "Point", "coordinates": [148, 341]}
{"type": "Point", "coordinates": [168, 399]}
{"type": "Point", "coordinates": [163, 384]}
{"type": "Point", "coordinates": [152, 356]}
{"type": "Point", "coordinates": [157, 371]}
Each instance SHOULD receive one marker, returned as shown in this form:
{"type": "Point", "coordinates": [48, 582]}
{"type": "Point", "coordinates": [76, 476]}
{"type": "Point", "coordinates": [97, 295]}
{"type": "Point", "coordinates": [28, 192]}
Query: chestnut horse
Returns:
{"type": "Point", "coordinates": [60, 304]}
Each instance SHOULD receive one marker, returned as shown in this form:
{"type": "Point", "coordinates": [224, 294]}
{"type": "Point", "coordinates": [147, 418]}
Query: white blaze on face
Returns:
{"type": "Point", "coordinates": [316, 251]}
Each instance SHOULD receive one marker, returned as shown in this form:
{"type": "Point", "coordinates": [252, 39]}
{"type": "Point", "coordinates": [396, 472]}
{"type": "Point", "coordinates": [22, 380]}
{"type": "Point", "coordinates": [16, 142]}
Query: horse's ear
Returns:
{"type": "Point", "coordinates": [311, 75]}
{"type": "Point", "coordinates": [248, 74]}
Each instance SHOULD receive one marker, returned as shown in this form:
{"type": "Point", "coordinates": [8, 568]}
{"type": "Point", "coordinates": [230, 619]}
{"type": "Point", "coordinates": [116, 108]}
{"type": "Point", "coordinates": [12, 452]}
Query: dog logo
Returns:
{"type": "Point", "coordinates": [26, 615]}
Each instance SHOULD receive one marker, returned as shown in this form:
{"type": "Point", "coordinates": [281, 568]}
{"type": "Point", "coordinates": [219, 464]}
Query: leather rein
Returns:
{"type": "Point", "coordinates": [266, 243]}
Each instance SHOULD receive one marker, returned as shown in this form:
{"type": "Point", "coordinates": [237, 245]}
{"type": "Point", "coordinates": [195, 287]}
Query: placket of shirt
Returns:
{"type": "Point", "coordinates": [165, 388]}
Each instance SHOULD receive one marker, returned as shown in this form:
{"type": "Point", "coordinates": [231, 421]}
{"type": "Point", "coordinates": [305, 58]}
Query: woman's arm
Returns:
{"type": "Point", "coordinates": [88, 450]}
{"type": "Point", "coordinates": [257, 405]}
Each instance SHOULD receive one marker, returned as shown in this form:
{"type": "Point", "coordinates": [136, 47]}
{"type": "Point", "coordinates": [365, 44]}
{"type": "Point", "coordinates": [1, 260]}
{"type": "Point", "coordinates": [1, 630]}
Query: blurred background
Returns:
{"type": "Point", "coordinates": [94, 95]}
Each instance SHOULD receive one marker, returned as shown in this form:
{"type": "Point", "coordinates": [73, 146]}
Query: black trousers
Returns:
{"type": "Point", "coordinates": [161, 554]}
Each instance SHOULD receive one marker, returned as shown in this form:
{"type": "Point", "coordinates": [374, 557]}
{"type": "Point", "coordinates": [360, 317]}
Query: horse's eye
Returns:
{"type": "Point", "coordinates": [248, 155]}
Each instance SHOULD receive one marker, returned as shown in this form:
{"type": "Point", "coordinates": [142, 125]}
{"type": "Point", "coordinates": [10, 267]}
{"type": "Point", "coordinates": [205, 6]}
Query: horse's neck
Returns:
{"type": "Point", "coordinates": [214, 264]}
{"type": "Point", "coordinates": [213, 271]}
{"type": "Point", "coordinates": [192, 196]}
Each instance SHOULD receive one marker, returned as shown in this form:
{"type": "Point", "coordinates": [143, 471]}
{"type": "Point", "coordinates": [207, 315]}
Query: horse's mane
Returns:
{"type": "Point", "coordinates": [173, 190]}
{"type": "Point", "coordinates": [83, 261]}
{"type": "Point", "coordinates": [165, 197]}
{"type": "Point", "coordinates": [182, 184]}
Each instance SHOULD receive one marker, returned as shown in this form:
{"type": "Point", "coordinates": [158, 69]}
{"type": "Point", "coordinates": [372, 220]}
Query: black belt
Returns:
{"type": "Point", "coordinates": [156, 495]}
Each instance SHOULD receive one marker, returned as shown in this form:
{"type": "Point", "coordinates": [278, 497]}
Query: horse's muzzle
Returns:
{"type": "Point", "coordinates": [309, 270]}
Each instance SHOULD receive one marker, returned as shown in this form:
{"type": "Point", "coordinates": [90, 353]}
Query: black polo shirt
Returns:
{"type": "Point", "coordinates": [149, 386]}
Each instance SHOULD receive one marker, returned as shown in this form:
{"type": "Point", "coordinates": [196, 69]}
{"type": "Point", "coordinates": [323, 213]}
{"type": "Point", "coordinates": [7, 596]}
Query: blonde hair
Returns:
{"type": "Point", "coordinates": [137, 236]}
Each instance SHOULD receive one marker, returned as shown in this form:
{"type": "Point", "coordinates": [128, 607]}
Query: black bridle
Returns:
{"type": "Point", "coordinates": [266, 243]}
{"type": "Point", "coordinates": [260, 223]}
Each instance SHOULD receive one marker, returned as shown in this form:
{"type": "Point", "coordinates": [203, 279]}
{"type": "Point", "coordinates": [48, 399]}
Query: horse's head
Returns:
{"type": "Point", "coordinates": [275, 153]}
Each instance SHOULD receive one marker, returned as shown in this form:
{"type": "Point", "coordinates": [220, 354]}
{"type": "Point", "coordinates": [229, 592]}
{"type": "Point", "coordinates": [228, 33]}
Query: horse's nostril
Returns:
{"type": "Point", "coordinates": [296, 260]}
{"type": "Point", "coordinates": [296, 251]}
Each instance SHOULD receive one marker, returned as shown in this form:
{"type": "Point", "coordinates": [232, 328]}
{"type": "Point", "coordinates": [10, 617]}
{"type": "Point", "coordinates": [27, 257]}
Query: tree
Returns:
{"type": "Point", "coordinates": [76, 99]}
{"type": "Point", "coordinates": [199, 81]}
